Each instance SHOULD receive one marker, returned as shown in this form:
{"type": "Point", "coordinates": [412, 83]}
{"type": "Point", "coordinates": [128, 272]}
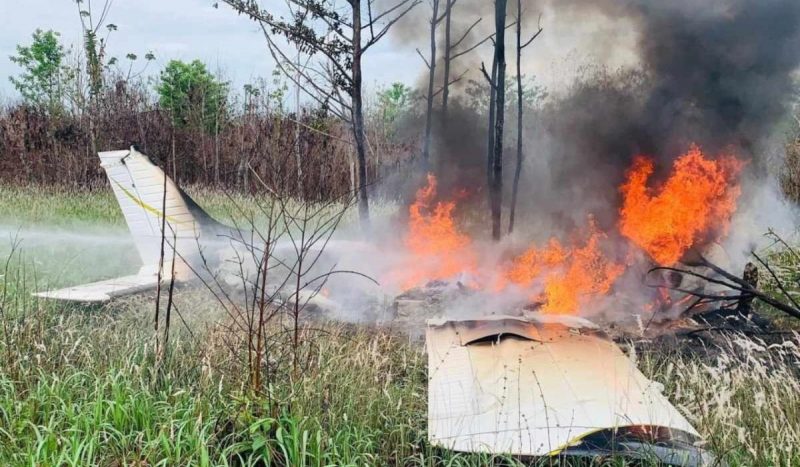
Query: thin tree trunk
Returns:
{"type": "Point", "coordinates": [497, 164]}
{"type": "Point", "coordinates": [358, 117]}
{"type": "Point", "coordinates": [216, 148]}
{"type": "Point", "coordinates": [490, 133]}
{"type": "Point", "coordinates": [426, 147]}
{"type": "Point", "coordinates": [446, 61]}
{"type": "Point", "coordinates": [297, 157]}
{"type": "Point", "coordinates": [518, 168]}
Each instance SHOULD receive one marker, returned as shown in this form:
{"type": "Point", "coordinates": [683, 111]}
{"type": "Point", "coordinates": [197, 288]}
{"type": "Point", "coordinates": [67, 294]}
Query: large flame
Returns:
{"type": "Point", "coordinates": [439, 250]}
{"type": "Point", "coordinates": [692, 207]}
{"type": "Point", "coordinates": [694, 204]}
{"type": "Point", "coordinates": [570, 276]}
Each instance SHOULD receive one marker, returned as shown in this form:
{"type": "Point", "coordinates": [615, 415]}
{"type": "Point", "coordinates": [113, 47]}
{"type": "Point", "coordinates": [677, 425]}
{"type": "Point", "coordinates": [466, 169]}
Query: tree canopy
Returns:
{"type": "Point", "coordinates": [192, 95]}
{"type": "Point", "coordinates": [41, 81]}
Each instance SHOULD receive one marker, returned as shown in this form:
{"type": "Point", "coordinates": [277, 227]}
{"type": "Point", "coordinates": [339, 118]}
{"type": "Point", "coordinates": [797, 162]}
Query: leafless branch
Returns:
{"type": "Point", "coordinates": [777, 281]}
{"type": "Point", "coordinates": [486, 75]}
{"type": "Point", "coordinates": [317, 92]}
{"type": "Point", "coordinates": [389, 11]}
{"type": "Point", "coordinates": [377, 37]}
{"type": "Point", "coordinates": [479, 43]}
{"type": "Point", "coordinates": [428, 65]}
{"type": "Point", "coordinates": [452, 81]}
{"type": "Point", "coordinates": [539, 31]}
{"type": "Point", "coordinates": [466, 33]}
{"type": "Point", "coordinates": [734, 283]}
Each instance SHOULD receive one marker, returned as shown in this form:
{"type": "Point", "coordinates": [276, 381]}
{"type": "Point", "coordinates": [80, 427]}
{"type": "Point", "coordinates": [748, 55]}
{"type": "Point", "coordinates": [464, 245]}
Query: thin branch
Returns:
{"type": "Point", "coordinates": [375, 38]}
{"type": "Point", "coordinates": [488, 78]}
{"type": "Point", "coordinates": [275, 51]}
{"type": "Point", "coordinates": [466, 33]}
{"type": "Point", "coordinates": [388, 12]}
{"type": "Point", "coordinates": [423, 59]}
{"type": "Point", "coordinates": [531, 39]}
{"type": "Point", "coordinates": [452, 81]}
{"type": "Point", "coordinates": [478, 44]}
{"type": "Point", "coordinates": [777, 281]}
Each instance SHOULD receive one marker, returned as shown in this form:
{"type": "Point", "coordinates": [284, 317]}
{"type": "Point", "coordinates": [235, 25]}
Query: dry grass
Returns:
{"type": "Point", "coordinates": [746, 404]}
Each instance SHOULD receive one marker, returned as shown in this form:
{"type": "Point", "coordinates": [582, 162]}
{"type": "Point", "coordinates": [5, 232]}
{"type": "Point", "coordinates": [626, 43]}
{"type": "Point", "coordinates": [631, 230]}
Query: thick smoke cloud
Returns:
{"type": "Point", "coordinates": [721, 70]}
{"type": "Point", "coordinates": [717, 73]}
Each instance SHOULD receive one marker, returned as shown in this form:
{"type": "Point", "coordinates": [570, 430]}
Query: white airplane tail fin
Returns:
{"type": "Point", "coordinates": [149, 200]}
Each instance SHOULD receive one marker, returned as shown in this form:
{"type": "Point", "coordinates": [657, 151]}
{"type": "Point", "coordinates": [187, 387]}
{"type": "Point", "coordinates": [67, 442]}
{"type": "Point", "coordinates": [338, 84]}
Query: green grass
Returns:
{"type": "Point", "coordinates": [58, 207]}
{"type": "Point", "coordinates": [80, 385]}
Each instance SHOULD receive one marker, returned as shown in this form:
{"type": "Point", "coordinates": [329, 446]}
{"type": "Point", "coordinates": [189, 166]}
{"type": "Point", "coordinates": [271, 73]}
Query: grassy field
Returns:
{"type": "Point", "coordinates": [82, 385]}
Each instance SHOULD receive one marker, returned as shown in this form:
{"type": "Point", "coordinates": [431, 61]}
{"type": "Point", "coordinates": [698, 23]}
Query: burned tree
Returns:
{"type": "Point", "coordinates": [451, 52]}
{"type": "Point", "coordinates": [497, 101]}
{"type": "Point", "coordinates": [447, 58]}
{"type": "Point", "coordinates": [337, 41]}
{"type": "Point", "coordinates": [733, 292]}
{"type": "Point", "coordinates": [431, 64]}
{"type": "Point", "coordinates": [518, 168]}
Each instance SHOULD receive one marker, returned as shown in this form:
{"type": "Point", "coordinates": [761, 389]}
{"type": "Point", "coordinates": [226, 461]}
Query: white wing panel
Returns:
{"type": "Point", "coordinates": [535, 390]}
{"type": "Point", "coordinates": [104, 290]}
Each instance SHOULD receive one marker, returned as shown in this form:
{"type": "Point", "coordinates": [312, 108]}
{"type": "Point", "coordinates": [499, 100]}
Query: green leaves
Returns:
{"type": "Point", "coordinates": [394, 101]}
{"type": "Point", "coordinates": [192, 95]}
{"type": "Point", "coordinates": [41, 81]}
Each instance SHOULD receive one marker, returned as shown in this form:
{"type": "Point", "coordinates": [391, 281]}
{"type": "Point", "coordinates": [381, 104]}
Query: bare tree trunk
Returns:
{"type": "Point", "coordinates": [216, 148]}
{"type": "Point", "coordinates": [518, 168]}
{"type": "Point", "coordinates": [426, 146]}
{"type": "Point", "coordinates": [750, 276]}
{"type": "Point", "coordinates": [490, 134]}
{"type": "Point", "coordinates": [358, 117]}
{"type": "Point", "coordinates": [446, 60]}
{"type": "Point", "coordinates": [352, 165]}
{"type": "Point", "coordinates": [297, 157]}
{"type": "Point", "coordinates": [496, 188]}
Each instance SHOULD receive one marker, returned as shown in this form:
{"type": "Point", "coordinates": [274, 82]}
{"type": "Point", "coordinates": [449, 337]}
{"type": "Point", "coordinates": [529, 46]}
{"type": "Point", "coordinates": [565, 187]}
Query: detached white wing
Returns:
{"type": "Point", "coordinates": [506, 385]}
{"type": "Point", "coordinates": [103, 291]}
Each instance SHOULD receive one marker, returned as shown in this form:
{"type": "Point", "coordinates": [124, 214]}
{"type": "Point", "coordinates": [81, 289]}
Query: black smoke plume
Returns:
{"type": "Point", "coordinates": [718, 73]}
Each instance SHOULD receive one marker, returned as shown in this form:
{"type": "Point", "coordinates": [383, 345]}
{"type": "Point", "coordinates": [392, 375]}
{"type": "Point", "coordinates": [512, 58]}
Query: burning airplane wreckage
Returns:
{"type": "Point", "coordinates": [519, 358]}
{"type": "Point", "coordinates": [637, 179]}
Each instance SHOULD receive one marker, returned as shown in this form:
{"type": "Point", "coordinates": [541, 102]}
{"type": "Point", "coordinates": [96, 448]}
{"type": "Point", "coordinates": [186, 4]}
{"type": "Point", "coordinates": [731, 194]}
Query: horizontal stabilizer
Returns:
{"type": "Point", "coordinates": [104, 291]}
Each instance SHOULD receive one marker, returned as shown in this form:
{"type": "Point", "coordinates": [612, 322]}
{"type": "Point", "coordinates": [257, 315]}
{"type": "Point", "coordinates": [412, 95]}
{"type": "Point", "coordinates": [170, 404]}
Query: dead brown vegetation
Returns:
{"type": "Point", "coordinates": [254, 139]}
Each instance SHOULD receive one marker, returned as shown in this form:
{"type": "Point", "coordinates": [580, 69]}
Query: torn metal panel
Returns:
{"type": "Point", "coordinates": [525, 387]}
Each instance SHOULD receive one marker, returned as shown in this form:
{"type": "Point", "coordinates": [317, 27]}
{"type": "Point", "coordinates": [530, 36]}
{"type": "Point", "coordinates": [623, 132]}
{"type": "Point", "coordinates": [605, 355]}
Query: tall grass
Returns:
{"type": "Point", "coordinates": [746, 403]}
{"type": "Point", "coordinates": [79, 385]}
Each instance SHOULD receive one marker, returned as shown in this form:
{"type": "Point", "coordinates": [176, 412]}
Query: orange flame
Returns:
{"type": "Point", "coordinates": [691, 207]}
{"type": "Point", "coordinates": [438, 248]}
{"type": "Point", "coordinates": [570, 276]}
{"type": "Point", "coordinates": [695, 202]}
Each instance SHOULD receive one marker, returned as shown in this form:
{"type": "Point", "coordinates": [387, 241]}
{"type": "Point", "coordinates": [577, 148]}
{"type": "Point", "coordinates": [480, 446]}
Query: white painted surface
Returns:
{"type": "Point", "coordinates": [534, 391]}
{"type": "Point", "coordinates": [103, 291]}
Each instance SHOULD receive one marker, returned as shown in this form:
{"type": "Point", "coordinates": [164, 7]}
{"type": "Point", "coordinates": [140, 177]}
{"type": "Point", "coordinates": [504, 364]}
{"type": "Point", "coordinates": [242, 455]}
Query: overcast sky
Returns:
{"type": "Point", "coordinates": [176, 29]}
{"type": "Point", "coordinates": [193, 29]}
